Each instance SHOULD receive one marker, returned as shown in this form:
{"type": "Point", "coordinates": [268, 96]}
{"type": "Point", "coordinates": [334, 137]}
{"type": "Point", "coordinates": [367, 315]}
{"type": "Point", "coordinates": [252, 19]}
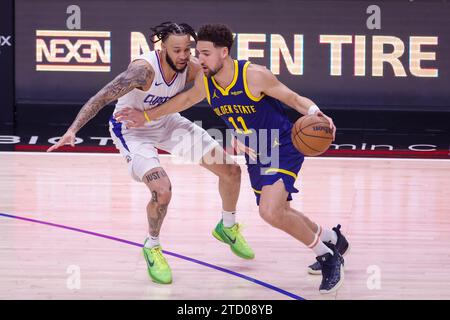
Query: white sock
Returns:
{"type": "Point", "coordinates": [319, 247]}
{"type": "Point", "coordinates": [328, 235]}
{"type": "Point", "coordinates": [229, 218]}
{"type": "Point", "coordinates": [152, 241]}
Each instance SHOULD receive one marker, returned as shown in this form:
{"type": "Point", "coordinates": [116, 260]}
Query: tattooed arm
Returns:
{"type": "Point", "coordinates": [139, 74]}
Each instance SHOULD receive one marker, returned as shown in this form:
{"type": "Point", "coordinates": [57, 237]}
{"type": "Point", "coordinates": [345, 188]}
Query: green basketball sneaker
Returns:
{"type": "Point", "coordinates": [157, 266]}
{"type": "Point", "coordinates": [233, 237]}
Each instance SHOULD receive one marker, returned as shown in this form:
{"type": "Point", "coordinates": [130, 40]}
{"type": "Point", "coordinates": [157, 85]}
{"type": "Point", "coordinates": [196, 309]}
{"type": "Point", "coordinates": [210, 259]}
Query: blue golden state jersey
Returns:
{"type": "Point", "coordinates": [246, 114]}
{"type": "Point", "coordinates": [261, 123]}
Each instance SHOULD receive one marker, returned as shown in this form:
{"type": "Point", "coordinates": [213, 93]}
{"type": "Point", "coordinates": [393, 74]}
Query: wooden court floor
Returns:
{"type": "Point", "coordinates": [71, 227]}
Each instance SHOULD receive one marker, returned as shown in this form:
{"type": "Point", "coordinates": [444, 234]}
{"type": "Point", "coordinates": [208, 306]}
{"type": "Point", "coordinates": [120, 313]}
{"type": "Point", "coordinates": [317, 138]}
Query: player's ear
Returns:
{"type": "Point", "coordinates": [224, 52]}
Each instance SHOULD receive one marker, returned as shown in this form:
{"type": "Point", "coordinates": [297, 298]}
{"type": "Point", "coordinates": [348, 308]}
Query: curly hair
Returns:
{"type": "Point", "coordinates": [219, 34]}
{"type": "Point", "coordinates": [165, 29]}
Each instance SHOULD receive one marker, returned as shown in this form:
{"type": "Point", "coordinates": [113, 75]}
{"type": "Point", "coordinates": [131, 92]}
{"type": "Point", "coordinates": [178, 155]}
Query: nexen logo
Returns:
{"type": "Point", "coordinates": [73, 50]}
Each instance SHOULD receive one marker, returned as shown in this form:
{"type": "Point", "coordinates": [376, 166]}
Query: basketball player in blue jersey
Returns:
{"type": "Point", "coordinates": [248, 98]}
{"type": "Point", "coordinates": [151, 79]}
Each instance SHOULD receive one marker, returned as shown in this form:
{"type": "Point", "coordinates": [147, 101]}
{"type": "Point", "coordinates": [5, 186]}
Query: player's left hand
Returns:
{"type": "Point", "coordinates": [133, 118]}
{"type": "Point", "coordinates": [330, 121]}
{"type": "Point", "coordinates": [239, 147]}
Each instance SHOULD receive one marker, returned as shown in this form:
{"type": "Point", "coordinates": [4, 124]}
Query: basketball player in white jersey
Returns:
{"type": "Point", "coordinates": [150, 80]}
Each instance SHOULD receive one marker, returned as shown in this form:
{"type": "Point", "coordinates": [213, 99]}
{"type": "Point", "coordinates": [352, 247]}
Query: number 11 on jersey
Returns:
{"type": "Point", "coordinates": [244, 129]}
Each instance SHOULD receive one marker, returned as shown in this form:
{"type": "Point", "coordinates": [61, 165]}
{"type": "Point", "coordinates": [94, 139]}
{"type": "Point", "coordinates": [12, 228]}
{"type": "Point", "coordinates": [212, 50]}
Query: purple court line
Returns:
{"type": "Point", "coordinates": [261, 283]}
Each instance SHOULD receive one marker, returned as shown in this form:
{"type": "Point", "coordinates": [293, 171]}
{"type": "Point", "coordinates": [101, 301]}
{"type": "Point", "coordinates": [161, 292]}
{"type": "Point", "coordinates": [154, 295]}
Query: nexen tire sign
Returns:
{"type": "Point", "coordinates": [73, 50]}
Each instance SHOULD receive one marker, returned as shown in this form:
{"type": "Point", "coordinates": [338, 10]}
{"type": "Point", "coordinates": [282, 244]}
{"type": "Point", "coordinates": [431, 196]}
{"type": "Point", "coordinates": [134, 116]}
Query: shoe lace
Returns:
{"type": "Point", "coordinates": [236, 229]}
{"type": "Point", "coordinates": [157, 254]}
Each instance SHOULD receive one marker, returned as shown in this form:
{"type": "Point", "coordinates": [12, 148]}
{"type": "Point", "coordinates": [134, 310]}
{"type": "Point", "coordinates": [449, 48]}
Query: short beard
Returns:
{"type": "Point", "coordinates": [212, 73]}
{"type": "Point", "coordinates": [173, 66]}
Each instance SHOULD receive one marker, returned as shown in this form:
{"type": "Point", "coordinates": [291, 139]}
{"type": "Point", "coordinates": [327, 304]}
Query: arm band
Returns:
{"type": "Point", "coordinates": [313, 109]}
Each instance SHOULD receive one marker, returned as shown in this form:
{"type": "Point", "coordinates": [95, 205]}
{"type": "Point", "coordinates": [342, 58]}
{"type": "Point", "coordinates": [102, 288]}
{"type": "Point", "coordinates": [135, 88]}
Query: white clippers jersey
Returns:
{"type": "Point", "coordinates": [160, 91]}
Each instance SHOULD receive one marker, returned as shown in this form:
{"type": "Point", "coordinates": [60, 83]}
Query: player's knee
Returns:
{"type": "Point", "coordinates": [234, 173]}
{"type": "Point", "coordinates": [162, 195]}
{"type": "Point", "coordinates": [268, 213]}
{"type": "Point", "coordinates": [273, 214]}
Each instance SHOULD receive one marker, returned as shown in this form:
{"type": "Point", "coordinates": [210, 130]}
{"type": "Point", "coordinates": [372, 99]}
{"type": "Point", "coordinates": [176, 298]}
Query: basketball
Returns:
{"type": "Point", "coordinates": [311, 135]}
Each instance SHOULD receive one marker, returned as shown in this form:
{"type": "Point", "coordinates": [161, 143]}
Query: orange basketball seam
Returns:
{"type": "Point", "coordinates": [308, 135]}
{"type": "Point", "coordinates": [308, 144]}
{"type": "Point", "coordinates": [299, 124]}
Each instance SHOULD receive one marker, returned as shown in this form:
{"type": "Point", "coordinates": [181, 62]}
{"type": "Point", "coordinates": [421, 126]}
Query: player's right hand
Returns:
{"type": "Point", "coordinates": [330, 121]}
{"type": "Point", "coordinates": [67, 138]}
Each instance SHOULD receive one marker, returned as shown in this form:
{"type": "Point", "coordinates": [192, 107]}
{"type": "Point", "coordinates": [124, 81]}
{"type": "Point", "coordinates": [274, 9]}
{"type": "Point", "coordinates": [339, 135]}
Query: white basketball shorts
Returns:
{"type": "Point", "coordinates": [174, 134]}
